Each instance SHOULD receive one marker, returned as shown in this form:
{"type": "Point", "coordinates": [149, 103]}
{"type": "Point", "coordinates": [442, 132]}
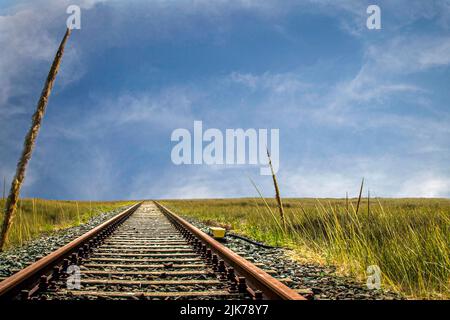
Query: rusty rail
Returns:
{"type": "Point", "coordinates": [30, 276]}
{"type": "Point", "coordinates": [237, 276]}
{"type": "Point", "coordinates": [257, 279]}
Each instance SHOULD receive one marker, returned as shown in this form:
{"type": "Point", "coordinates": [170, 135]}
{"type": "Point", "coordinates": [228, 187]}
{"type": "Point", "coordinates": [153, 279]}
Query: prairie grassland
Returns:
{"type": "Point", "coordinates": [409, 239]}
{"type": "Point", "coordinates": [37, 216]}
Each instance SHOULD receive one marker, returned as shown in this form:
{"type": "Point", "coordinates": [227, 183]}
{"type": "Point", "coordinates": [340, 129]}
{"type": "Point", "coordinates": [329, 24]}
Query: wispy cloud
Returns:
{"type": "Point", "coordinates": [395, 177]}
{"type": "Point", "coordinates": [146, 113]}
{"type": "Point", "coordinates": [370, 111]}
{"type": "Point", "coordinates": [30, 34]}
{"type": "Point", "coordinates": [279, 83]}
{"type": "Point", "coordinates": [396, 15]}
{"type": "Point", "coordinates": [418, 53]}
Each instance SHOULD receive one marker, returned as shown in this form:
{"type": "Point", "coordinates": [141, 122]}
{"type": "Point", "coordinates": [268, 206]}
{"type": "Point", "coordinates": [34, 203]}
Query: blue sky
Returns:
{"type": "Point", "coordinates": [349, 102]}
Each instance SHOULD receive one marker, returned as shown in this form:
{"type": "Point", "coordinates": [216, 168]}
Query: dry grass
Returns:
{"type": "Point", "coordinates": [37, 216]}
{"type": "Point", "coordinates": [409, 239]}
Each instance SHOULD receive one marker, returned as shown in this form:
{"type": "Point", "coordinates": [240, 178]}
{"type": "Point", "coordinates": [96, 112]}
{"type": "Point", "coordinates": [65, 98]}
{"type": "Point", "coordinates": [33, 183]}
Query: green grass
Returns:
{"type": "Point", "coordinates": [409, 239]}
{"type": "Point", "coordinates": [36, 216]}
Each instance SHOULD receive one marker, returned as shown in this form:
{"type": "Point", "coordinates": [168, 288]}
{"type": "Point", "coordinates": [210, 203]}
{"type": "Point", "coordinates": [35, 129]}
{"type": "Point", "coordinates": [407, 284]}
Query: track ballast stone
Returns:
{"type": "Point", "coordinates": [18, 258]}
{"type": "Point", "coordinates": [141, 259]}
{"type": "Point", "coordinates": [313, 281]}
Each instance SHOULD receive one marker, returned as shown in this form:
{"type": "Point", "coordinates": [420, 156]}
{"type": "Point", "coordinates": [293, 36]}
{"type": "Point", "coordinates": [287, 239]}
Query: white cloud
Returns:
{"type": "Point", "coordinates": [279, 83]}
{"type": "Point", "coordinates": [362, 101]}
{"type": "Point", "coordinates": [382, 77]}
{"type": "Point", "coordinates": [101, 178]}
{"type": "Point", "coordinates": [384, 175]}
{"type": "Point", "coordinates": [194, 181]}
{"type": "Point", "coordinates": [151, 113]}
{"type": "Point", "coordinates": [418, 53]}
{"type": "Point", "coordinates": [396, 15]}
{"type": "Point", "coordinates": [172, 105]}
{"type": "Point", "coordinates": [29, 35]}
{"type": "Point", "coordinates": [426, 184]}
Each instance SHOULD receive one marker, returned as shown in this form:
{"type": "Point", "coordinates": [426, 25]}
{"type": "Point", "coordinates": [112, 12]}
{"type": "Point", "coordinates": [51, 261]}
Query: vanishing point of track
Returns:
{"type": "Point", "coordinates": [145, 252]}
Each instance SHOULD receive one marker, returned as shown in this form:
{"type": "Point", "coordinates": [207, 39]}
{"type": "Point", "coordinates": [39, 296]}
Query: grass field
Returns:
{"type": "Point", "coordinates": [409, 239]}
{"type": "Point", "coordinates": [37, 216]}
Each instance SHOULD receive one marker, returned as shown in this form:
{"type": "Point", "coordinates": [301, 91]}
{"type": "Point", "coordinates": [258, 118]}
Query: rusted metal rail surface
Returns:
{"type": "Point", "coordinates": [145, 252]}
{"type": "Point", "coordinates": [259, 281]}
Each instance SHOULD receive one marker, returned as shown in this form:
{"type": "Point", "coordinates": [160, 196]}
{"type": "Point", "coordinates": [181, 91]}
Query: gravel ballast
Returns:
{"type": "Point", "coordinates": [315, 282]}
{"type": "Point", "coordinates": [18, 258]}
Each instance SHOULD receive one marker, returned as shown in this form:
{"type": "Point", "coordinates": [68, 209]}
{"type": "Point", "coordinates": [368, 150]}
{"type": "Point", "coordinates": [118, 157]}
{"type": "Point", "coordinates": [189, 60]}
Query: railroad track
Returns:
{"type": "Point", "coordinates": [145, 252]}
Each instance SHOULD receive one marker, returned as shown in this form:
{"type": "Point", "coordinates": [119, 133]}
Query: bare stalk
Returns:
{"type": "Point", "coordinates": [16, 184]}
{"type": "Point", "coordinates": [277, 192]}
{"type": "Point", "coordinates": [266, 204]}
{"type": "Point", "coordinates": [360, 195]}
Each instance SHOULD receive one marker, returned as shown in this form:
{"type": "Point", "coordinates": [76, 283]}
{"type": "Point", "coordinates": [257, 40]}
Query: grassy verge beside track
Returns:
{"type": "Point", "coordinates": [37, 216]}
{"type": "Point", "coordinates": [409, 239]}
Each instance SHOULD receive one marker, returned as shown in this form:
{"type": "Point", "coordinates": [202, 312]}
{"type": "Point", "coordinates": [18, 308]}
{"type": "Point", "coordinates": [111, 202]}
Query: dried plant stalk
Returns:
{"type": "Point", "coordinates": [360, 195]}
{"type": "Point", "coordinates": [16, 184]}
{"type": "Point", "coordinates": [277, 193]}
